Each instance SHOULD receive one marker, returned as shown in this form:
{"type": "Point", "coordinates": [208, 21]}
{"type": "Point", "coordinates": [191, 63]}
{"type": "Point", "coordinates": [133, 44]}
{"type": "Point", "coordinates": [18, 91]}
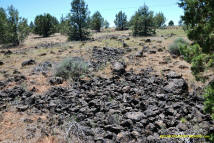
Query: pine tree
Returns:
{"type": "Point", "coordinates": [96, 21]}
{"type": "Point", "coordinates": [78, 21]}
{"type": "Point", "coordinates": [121, 21]}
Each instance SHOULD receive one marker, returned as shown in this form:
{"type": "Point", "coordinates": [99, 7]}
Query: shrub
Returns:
{"type": "Point", "coordinates": [71, 68]}
{"type": "Point", "coordinates": [78, 21]}
{"type": "Point", "coordinates": [45, 25]}
{"type": "Point", "coordinates": [209, 99]}
{"type": "Point", "coordinates": [198, 64]}
{"type": "Point", "coordinates": [175, 47]}
{"type": "Point", "coordinates": [189, 52]}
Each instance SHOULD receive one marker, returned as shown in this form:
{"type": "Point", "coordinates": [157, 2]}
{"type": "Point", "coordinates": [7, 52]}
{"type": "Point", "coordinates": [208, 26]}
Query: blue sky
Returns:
{"type": "Point", "coordinates": [108, 8]}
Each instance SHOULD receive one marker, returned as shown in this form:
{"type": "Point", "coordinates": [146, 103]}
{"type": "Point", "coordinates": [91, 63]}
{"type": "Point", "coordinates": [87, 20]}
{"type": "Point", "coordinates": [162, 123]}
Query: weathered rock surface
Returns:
{"type": "Point", "coordinates": [135, 108]}
{"type": "Point", "coordinates": [28, 62]}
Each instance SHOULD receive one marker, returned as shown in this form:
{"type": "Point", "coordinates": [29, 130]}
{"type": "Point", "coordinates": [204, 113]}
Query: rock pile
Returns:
{"type": "Point", "coordinates": [134, 108]}
{"type": "Point", "coordinates": [100, 56]}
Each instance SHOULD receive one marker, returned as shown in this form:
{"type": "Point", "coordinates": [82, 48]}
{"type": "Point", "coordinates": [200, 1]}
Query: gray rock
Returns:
{"type": "Point", "coordinates": [56, 80]}
{"type": "Point", "coordinates": [136, 116]}
{"type": "Point", "coordinates": [172, 75]}
{"type": "Point", "coordinates": [119, 68]}
{"type": "Point", "coordinates": [176, 86]}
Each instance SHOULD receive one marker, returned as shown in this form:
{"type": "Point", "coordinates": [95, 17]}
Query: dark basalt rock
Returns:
{"type": "Point", "coordinates": [132, 108]}
{"type": "Point", "coordinates": [56, 80]}
{"type": "Point", "coordinates": [28, 62]}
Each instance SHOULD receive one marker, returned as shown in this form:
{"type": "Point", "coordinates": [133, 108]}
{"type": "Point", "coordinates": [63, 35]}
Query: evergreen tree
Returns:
{"type": "Point", "coordinates": [3, 26]}
{"type": "Point", "coordinates": [64, 25]}
{"type": "Point", "coordinates": [78, 21]}
{"type": "Point", "coordinates": [160, 20]}
{"type": "Point", "coordinates": [143, 22]}
{"type": "Point", "coordinates": [45, 25]}
{"type": "Point", "coordinates": [199, 21]}
{"type": "Point", "coordinates": [171, 23]}
{"type": "Point", "coordinates": [121, 21]}
{"type": "Point", "coordinates": [13, 29]}
{"type": "Point", "coordinates": [105, 24]}
{"type": "Point", "coordinates": [96, 21]}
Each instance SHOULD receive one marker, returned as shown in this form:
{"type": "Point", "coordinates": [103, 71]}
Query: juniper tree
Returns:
{"type": "Point", "coordinates": [45, 25]}
{"type": "Point", "coordinates": [171, 23]}
{"type": "Point", "coordinates": [159, 20]}
{"type": "Point", "coordinates": [199, 20]}
{"type": "Point", "coordinates": [121, 21]}
{"type": "Point", "coordinates": [143, 22]}
{"type": "Point", "coordinates": [96, 21]}
{"type": "Point", "coordinates": [78, 21]}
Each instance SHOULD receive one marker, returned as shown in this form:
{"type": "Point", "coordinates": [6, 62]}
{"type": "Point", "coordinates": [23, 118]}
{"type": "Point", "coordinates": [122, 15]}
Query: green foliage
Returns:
{"type": "Point", "coordinates": [209, 99]}
{"type": "Point", "coordinates": [143, 22]}
{"type": "Point", "coordinates": [189, 52]}
{"type": "Point", "coordinates": [171, 23]}
{"type": "Point", "coordinates": [45, 25]}
{"type": "Point", "coordinates": [71, 68]}
{"type": "Point", "coordinates": [13, 29]}
{"type": "Point", "coordinates": [3, 26]}
{"type": "Point", "coordinates": [175, 47]}
{"type": "Point", "coordinates": [121, 21]}
{"type": "Point", "coordinates": [199, 20]}
{"type": "Point", "coordinates": [159, 20]}
{"type": "Point", "coordinates": [23, 30]}
{"type": "Point", "coordinates": [105, 24]}
{"type": "Point", "coordinates": [64, 25]}
{"type": "Point", "coordinates": [78, 21]}
{"type": "Point", "coordinates": [198, 64]}
{"type": "Point", "coordinates": [96, 21]}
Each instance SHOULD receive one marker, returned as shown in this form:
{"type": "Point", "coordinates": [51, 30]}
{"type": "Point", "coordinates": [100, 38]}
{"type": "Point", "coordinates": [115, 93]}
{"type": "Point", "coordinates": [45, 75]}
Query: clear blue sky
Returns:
{"type": "Point", "coordinates": [108, 8]}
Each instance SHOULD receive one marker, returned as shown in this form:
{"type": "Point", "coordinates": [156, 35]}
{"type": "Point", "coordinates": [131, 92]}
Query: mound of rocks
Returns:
{"type": "Point", "coordinates": [100, 56]}
{"type": "Point", "coordinates": [133, 108]}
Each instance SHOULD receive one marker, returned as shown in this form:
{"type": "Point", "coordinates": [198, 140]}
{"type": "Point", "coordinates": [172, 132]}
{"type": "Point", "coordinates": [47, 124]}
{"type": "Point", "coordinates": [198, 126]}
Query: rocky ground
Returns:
{"type": "Point", "coordinates": [135, 92]}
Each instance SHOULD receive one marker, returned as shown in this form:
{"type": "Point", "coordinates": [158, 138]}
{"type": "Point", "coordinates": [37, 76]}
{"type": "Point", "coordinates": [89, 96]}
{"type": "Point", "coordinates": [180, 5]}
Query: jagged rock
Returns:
{"type": "Point", "coordinates": [148, 41]}
{"type": "Point", "coordinates": [136, 116]}
{"type": "Point", "coordinates": [172, 74]}
{"type": "Point", "coordinates": [176, 86]}
{"type": "Point", "coordinates": [22, 108]}
{"type": "Point", "coordinates": [28, 62]}
{"type": "Point", "coordinates": [139, 53]}
{"type": "Point", "coordinates": [56, 80]}
{"type": "Point", "coordinates": [119, 68]}
{"type": "Point", "coordinates": [124, 137]}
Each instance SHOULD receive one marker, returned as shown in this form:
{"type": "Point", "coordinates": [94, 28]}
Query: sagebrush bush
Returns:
{"type": "Point", "coordinates": [71, 68]}
{"type": "Point", "coordinates": [174, 48]}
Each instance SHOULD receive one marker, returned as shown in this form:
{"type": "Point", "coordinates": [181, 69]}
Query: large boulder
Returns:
{"type": "Point", "coordinates": [176, 86]}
